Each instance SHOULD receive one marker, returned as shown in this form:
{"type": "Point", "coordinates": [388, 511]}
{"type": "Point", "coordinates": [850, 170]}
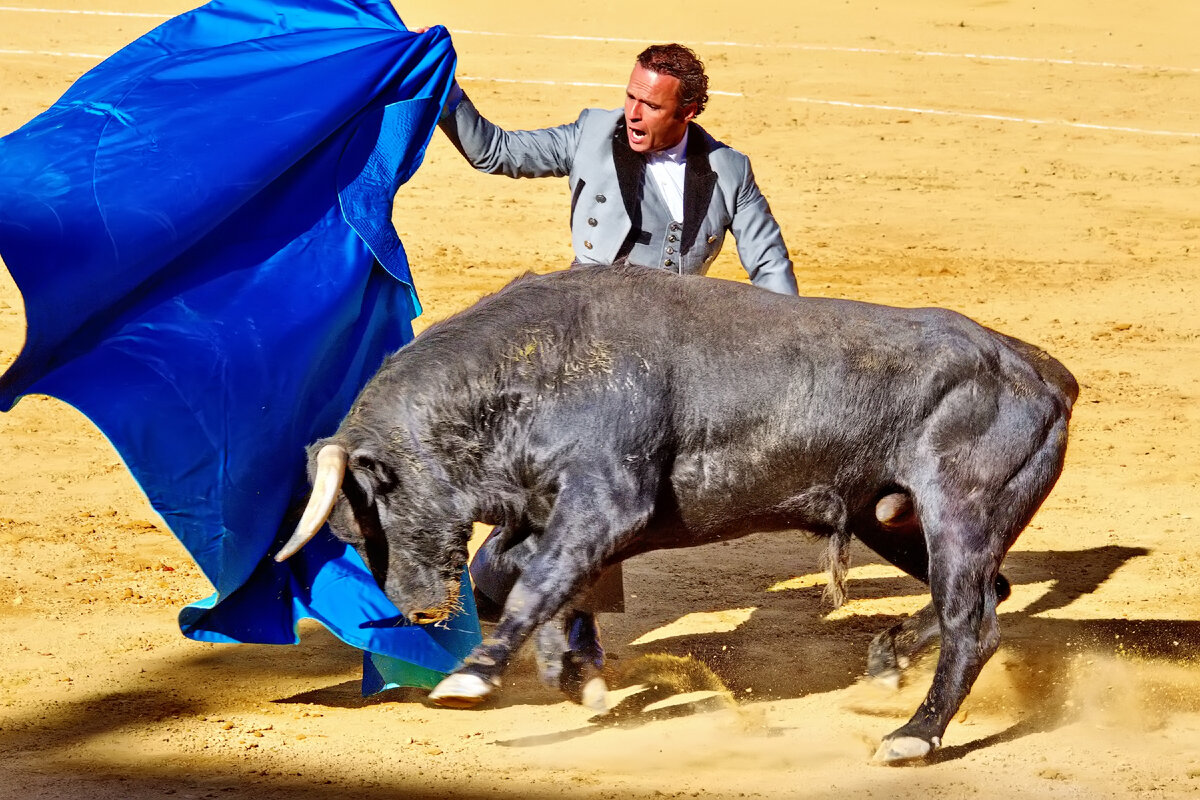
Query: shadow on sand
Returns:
{"type": "Point", "coordinates": [786, 649]}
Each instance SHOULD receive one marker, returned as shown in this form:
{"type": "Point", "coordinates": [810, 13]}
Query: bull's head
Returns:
{"type": "Point", "coordinates": [419, 567]}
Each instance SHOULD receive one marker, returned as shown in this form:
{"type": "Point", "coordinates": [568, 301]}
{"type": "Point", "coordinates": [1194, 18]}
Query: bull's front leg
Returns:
{"type": "Point", "coordinates": [589, 525]}
{"type": "Point", "coordinates": [497, 565]}
{"type": "Point", "coordinates": [530, 603]}
{"type": "Point", "coordinates": [570, 658]}
{"type": "Point", "coordinates": [569, 654]}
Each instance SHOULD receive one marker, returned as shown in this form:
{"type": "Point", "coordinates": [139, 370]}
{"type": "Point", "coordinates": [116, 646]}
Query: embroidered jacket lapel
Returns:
{"type": "Point", "coordinates": [698, 184]}
{"type": "Point", "coordinates": [629, 167]}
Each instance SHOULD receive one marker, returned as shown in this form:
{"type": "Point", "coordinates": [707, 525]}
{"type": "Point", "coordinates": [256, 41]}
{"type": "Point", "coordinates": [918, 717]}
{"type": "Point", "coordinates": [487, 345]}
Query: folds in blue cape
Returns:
{"type": "Point", "coordinates": [200, 228]}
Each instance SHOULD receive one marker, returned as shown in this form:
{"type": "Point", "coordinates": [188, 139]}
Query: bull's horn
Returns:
{"type": "Point", "coordinates": [331, 470]}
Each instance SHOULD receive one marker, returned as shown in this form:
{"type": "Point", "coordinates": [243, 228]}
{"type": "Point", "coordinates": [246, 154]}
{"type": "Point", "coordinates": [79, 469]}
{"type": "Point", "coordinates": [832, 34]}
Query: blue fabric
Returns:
{"type": "Point", "coordinates": [200, 228]}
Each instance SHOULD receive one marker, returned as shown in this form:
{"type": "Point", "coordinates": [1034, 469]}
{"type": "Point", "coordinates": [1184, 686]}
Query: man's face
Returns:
{"type": "Point", "coordinates": [653, 119]}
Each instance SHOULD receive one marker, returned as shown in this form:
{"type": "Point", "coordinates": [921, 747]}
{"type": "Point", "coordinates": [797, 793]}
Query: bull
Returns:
{"type": "Point", "coordinates": [594, 414]}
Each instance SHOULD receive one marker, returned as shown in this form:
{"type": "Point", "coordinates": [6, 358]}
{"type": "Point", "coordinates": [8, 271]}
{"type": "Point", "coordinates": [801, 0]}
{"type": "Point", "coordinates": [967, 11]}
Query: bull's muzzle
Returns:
{"type": "Point", "coordinates": [435, 612]}
{"type": "Point", "coordinates": [429, 616]}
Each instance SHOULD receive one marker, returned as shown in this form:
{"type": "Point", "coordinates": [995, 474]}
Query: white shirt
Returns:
{"type": "Point", "coordinates": [665, 169]}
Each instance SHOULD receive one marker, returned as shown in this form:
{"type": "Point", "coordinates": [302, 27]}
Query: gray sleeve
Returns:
{"type": "Point", "coordinates": [759, 241]}
{"type": "Point", "coordinates": [547, 152]}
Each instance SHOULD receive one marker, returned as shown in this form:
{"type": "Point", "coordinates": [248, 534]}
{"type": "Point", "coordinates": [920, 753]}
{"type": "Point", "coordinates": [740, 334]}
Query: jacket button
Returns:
{"type": "Point", "coordinates": [601, 198]}
{"type": "Point", "coordinates": [672, 238]}
{"type": "Point", "coordinates": [671, 250]}
{"type": "Point", "coordinates": [675, 226]}
{"type": "Point", "coordinates": [588, 245]}
{"type": "Point", "coordinates": [668, 263]}
{"type": "Point", "coordinates": [592, 221]}
{"type": "Point", "coordinates": [712, 239]}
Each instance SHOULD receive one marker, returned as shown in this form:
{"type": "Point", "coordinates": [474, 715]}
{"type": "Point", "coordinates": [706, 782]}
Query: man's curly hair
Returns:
{"type": "Point", "coordinates": [679, 62]}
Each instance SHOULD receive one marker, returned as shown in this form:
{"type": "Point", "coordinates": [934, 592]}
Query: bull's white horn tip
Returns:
{"type": "Point", "coordinates": [331, 469]}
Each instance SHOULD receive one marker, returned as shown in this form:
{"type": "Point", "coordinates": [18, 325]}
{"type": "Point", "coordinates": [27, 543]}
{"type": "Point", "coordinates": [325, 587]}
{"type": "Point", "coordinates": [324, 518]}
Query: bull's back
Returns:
{"type": "Point", "coordinates": [743, 365]}
{"type": "Point", "coordinates": [728, 348]}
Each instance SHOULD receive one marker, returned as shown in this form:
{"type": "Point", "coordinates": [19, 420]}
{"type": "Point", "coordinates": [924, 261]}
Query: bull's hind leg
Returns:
{"type": "Point", "coordinates": [894, 650]}
{"type": "Point", "coordinates": [898, 538]}
{"type": "Point", "coordinates": [570, 658]}
{"type": "Point", "coordinates": [963, 568]}
{"type": "Point", "coordinates": [972, 511]}
{"type": "Point", "coordinates": [892, 530]}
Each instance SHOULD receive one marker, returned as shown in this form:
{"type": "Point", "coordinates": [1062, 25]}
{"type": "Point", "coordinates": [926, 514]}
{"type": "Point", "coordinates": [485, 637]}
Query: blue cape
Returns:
{"type": "Point", "coordinates": [201, 231]}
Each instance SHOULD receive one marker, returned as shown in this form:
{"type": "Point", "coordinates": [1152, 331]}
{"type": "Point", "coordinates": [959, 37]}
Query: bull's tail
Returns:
{"type": "Point", "coordinates": [836, 559]}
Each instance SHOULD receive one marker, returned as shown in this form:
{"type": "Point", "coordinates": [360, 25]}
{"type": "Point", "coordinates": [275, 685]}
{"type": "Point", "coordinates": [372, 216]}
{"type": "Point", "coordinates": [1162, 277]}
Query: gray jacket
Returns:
{"type": "Point", "coordinates": [611, 215]}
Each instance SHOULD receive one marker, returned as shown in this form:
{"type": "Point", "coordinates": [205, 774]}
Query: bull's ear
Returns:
{"type": "Point", "coordinates": [372, 474]}
{"type": "Point", "coordinates": [366, 480]}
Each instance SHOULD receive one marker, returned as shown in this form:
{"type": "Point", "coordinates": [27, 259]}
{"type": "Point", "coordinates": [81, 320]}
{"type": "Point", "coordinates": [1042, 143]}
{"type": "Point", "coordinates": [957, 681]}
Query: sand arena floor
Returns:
{"type": "Point", "coordinates": [1034, 165]}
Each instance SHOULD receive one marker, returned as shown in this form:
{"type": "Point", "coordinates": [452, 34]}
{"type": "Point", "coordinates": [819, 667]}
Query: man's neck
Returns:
{"type": "Point", "coordinates": [674, 153]}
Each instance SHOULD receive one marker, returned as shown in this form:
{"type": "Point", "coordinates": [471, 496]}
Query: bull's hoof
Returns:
{"type": "Point", "coordinates": [885, 664]}
{"type": "Point", "coordinates": [461, 690]}
{"type": "Point", "coordinates": [900, 750]}
{"type": "Point", "coordinates": [887, 679]}
{"type": "Point", "coordinates": [594, 695]}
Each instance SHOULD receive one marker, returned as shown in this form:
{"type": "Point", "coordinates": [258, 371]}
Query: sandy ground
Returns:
{"type": "Point", "coordinates": [1052, 195]}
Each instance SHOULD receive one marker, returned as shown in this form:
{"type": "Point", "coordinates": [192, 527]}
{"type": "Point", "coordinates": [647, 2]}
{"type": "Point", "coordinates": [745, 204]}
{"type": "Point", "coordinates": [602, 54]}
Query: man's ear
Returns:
{"type": "Point", "coordinates": [688, 112]}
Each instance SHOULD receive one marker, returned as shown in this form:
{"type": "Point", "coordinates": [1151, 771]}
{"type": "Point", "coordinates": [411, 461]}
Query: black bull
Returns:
{"type": "Point", "coordinates": [597, 413]}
